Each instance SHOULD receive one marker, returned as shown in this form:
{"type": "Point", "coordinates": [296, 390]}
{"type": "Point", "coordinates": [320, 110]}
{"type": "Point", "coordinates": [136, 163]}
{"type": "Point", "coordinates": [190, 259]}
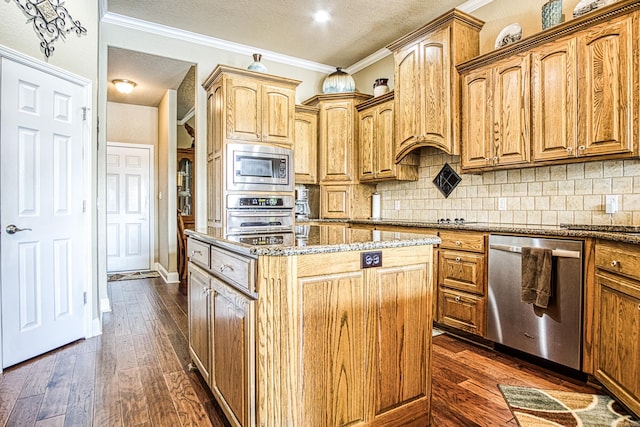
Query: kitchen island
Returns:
{"type": "Point", "coordinates": [331, 329]}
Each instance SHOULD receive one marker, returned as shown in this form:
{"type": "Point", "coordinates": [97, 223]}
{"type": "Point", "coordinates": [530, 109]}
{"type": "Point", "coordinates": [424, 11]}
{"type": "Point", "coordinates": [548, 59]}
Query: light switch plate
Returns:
{"type": "Point", "coordinates": [611, 204]}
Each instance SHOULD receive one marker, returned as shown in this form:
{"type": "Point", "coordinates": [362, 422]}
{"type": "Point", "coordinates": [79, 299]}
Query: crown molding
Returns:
{"type": "Point", "coordinates": [187, 116]}
{"type": "Point", "coordinates": [467, 7]}
{"type": "Point", "coordinates": [471, 5]}
{"type": "Point", "coordinates": [188, 36]}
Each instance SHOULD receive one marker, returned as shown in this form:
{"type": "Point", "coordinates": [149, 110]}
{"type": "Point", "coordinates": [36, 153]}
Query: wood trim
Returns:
{"type": "Point", "coordinates": [263, 77]}
{"type": "Point", "coordinates": [375, 101]}
{"type": "Point", "coordinates": [568, 28]}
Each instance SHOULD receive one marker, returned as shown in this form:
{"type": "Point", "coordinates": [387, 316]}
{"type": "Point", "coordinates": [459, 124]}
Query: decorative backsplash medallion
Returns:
{"type": "Point", "coordinates": [446, 180]}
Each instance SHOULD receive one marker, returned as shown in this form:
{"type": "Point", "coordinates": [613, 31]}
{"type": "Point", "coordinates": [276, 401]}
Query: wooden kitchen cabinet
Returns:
{"type": "Point", "coordinates": [616, 343]}
{"type": "Point", "coordinates": [462, 281]}
{"type": "Point", "coordinates": [200, 320]}
{"type": "Point", "coordinates": [376, 143]}
{"type": "Point", "coordinates": [427, 85]}
{"type": "Point", "coordinates": [306, 145]}
{"type": "Point", "coordinates": [259, 111]}
{"type": "Point", "coordinates": [337, 130]}
{"type": "Point", "coordinates": [233, 351]}
{"type": "Point", "coordinates": [608, 87]}
{"type": "Point", "coordinates": [496, 115]}
{"type": "Point", "coordinates": [345, 201]}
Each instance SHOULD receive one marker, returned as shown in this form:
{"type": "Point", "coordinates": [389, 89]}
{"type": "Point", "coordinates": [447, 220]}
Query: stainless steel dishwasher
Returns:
{"type": "Point", "coordinates": [553, 333]}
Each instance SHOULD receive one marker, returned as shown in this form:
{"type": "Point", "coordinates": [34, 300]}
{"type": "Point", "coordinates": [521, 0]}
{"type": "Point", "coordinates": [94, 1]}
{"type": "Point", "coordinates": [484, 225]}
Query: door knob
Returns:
{"type": "Point", "coordinates": [12, 229]}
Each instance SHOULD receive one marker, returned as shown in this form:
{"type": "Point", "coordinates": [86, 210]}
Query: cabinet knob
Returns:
{"type": "Point", "coordinates": [458, 258]}
{"type": "Point", "coordinates": [486, 159]}
{"type": "Point", "coordinates": [569, 149]}
{"type": "Point", "coordinates": [638, 306]}
{"type": "Point", "coordinates": [615, 263]}
{"type": "Point", "coordinates": [458, 243]}
{"type": "Point", "coordinates": [582, 148]}
{"type": "Point", "coordinates": [457, 299]}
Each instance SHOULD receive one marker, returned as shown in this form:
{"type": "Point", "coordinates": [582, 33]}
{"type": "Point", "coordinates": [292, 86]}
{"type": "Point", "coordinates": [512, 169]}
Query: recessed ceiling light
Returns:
{"type": "Point", "coordinates": [321, 16]}
{"type": "Point", "coordinates": [124, 85]}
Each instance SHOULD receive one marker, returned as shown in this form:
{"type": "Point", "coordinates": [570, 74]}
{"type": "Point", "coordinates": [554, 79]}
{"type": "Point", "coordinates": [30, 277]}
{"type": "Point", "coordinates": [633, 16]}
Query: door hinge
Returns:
{"type": "Point", "coordinates": [84, 297]}
{"type": "Point", "coordinates": [84, 206]}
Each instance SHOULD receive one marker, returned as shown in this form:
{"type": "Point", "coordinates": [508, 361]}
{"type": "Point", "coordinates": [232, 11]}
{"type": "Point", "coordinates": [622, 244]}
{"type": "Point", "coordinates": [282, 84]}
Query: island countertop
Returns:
{"type": "Point", "coordinates": [314, 239]}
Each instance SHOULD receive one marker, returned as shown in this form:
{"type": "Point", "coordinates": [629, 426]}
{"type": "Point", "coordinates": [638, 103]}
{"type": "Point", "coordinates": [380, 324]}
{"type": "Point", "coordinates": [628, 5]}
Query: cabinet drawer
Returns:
{"type": "Point", "coordinates": [461, 270]}
{"type": "Point", "coordinates": [619, 258]}
{"type": "Point", "coordinates": [461, 311]}
{"type": "Point", "coordinates": [236, 269]}
{"type": "Point", "coordinates": [198, 252]}
{"type": "Point", "coordinates": [462, 241]}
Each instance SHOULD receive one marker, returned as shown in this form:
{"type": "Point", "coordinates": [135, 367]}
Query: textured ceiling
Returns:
{"type": "Point", "coordinates": [358, 28]}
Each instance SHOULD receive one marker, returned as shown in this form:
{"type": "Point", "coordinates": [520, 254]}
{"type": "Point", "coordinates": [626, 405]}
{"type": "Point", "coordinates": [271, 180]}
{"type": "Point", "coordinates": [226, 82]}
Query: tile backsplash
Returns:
{"type": "Point", "coordinates": [546, 195]}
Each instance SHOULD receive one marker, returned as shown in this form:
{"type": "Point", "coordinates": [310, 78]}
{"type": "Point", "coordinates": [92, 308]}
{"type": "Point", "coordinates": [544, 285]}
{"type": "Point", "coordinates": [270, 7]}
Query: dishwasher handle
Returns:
{"type": "Point", "coordinates": [560, 253]}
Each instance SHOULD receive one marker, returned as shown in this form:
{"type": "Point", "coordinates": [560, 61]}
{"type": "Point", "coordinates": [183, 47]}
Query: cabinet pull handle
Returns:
{"type": "Point", "coordinates": [458, 258]}
{"type": "Point", "coordinates": [458, 243]}
{"type": "Point", "coordinates": [615, 263]}
{"type": "Point", "coordinates": [457, 299]}
{"type": "Point", "coordinates": [195, 252]}
{"type": "Point", "coordinates": [206, 291]}
{"type": "Point", "coordinates": [223, 267]}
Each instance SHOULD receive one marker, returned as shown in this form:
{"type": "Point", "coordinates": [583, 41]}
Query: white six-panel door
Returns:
{"type": "Point", "coordinates": [128, 208]}
{"type": "Point", "coordinates": [41, 212]}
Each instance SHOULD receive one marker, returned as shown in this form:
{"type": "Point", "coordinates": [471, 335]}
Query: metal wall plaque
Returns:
{"type": "Point", "coordinates": [51, 21]}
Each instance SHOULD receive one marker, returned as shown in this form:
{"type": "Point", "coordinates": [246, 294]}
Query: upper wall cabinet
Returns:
{"type": "Point", "coordinates": [306, 145]}
{"type": "Point", "coordinates": [582, 104]}
{"type": "Point", "coordinates": [375, 143]}
{"type": "Point", "coordinates": [427, 84]}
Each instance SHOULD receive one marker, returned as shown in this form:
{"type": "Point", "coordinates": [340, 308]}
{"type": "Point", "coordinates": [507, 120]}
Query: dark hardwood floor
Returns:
{"type": "Point", "coordinates": [135, 374]}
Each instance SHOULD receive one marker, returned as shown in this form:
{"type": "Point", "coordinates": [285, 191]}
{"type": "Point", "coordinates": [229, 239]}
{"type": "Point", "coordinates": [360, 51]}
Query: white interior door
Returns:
{"type": "Point", "coordinates": [128, 208]}
{"type": "Point", "coordinates": [41, 213]}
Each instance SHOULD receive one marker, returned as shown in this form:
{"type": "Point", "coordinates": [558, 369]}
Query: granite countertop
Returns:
{"type": "Point", "coordinates": [618, 233]}
{"type": "Point", "coordinates": [313, 239]}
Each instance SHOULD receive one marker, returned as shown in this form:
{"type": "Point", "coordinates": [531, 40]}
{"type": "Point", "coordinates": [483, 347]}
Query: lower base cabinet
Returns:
{"type": "Point", "coordinates": [462, 311]}
{"type": "Point", "coordinates": [199, 320]}
{"type": "Point", "coordinates": [616, 343]}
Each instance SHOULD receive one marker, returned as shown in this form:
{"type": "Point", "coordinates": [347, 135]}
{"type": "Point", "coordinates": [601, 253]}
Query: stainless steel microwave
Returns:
{"type": "Point", "coordinates": [252, 167]}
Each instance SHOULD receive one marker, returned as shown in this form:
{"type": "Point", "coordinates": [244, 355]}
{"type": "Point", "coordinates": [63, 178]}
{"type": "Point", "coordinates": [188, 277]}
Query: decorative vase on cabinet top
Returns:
{"type": "Point", "coordinates": [380, 87]}
{"type": "Point", "coordinates": [551, 13]}
{"type": "Point", "coordinates": [256, 65]}
{"type": "Point", "coordinates": [338, 82]}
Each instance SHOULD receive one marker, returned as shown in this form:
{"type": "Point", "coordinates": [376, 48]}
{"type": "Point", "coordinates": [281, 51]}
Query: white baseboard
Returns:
{"type": "Point", "coordinates": [166, 276]}
{"type": "Point", "coordinates": [105, 305]}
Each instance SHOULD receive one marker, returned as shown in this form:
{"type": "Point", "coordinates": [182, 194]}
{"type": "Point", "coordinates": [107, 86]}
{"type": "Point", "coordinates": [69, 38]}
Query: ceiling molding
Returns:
{"type": "Point", "coordinates": [471, 5]}
{"type": "Point", "coordinates": [188, 36]}
{"type": "Point", "coordinates": [467, 7]}
{"type": "Point", "coordinates": [187, 116]}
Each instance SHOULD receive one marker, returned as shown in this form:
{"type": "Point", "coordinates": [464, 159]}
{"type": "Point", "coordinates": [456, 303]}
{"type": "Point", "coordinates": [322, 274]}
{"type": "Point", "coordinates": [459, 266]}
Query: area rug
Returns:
{"type": "Point", "coordinates": [546, 408]}
{"type": "Point", "coordinates": [132, 275]}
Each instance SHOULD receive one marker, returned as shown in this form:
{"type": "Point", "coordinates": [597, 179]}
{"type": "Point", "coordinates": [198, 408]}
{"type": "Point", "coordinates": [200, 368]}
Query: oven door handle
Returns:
{"type": "Point", "coordinates": [241, 213]}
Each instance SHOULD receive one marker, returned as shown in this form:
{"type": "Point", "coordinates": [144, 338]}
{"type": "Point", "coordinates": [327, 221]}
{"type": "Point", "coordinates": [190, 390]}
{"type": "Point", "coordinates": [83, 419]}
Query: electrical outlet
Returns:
{"type": "Point", "coordinates": [611, 204]}
{"type": "Point", "coordinates": [396, 205]}
{"type": "Point", "coordinates": [502, 203]}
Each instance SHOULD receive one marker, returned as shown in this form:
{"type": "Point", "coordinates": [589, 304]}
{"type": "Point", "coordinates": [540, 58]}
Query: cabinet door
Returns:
{"type": "Point", "coordinates": [399, 333]}
{"type": "Point", "coordinates": [337, 142]}
{"type": "Point", "coordinates": [606, 88]}
{"type": "Point", "coordinates": [233, 353]}
{"type": "Point", "coordinates": [244, 120]}
{"type": "Point", "coordinates": [306, 148]}
{"type": "Point", "coordinates": [407, 97]}
{"type": "Point", "coordinates": [367, 144]}
{"type": "Point", "coordinates": [199, 317]}
{"type": "Point", "coordinates": [435, 87]}
{"type": "Point", "coordinates": [554, 87]}
{"type": "Point", "coordinates": [335, 201]}
{"type": "Point", "coordinates": [511, 116]}
{"type": "Point", "coordinates": [385, 159]}
{"type": "Point", "coordinates": [462, 311]}
{"type": "Point", "coordinates": [461, 270]}
{"type": "Point", "coordinates": [617, 337]}
{"type": "Point", "coordinates": [477, 119]}
{"type": "Point", "coordinates": [333, 348]}
{"type": "Point", "coordinates": [278, 107]}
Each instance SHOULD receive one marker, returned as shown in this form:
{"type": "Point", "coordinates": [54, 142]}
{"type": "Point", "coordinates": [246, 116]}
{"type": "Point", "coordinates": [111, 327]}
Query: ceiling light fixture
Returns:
{"type": "Point", "coordinates": [124, 85]}
{"type": "Point", "coordinates": [321, 16]}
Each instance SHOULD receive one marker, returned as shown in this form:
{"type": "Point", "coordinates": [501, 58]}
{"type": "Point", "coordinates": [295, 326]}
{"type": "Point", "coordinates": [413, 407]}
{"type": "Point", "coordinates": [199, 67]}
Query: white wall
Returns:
{"type": "Point", "coordinates": [167, 222]}
{"type": "Point", "coordinates": [133, 124]}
